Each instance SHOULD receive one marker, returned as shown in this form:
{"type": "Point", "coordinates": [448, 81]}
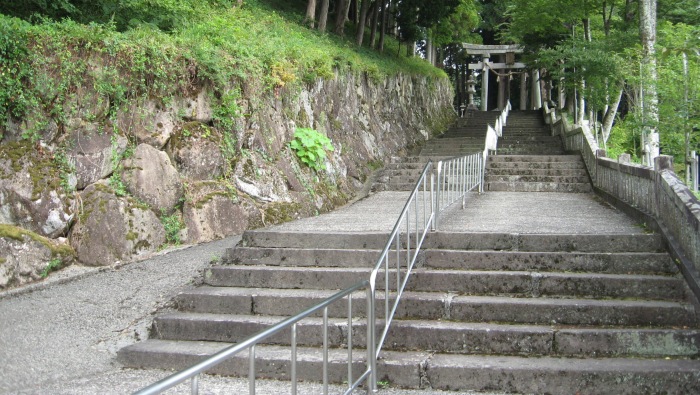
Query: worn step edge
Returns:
{"type": "Point", "coordinates": [563, 375]}
{"type": "Point", "coordinates": [440, 371]}
{"type": "Point", "coordinates": [427, 305]}
{"type": "Point", "coordinates": [512, 283]}
{"type": "Point", "coordinates": [286, 239]}
{"type": "Point", "coordinates": [532, 242]}
{"type": "Point", "coordinates": [622, 262]}
{"type": "Point", "coordinates": [443, 336]}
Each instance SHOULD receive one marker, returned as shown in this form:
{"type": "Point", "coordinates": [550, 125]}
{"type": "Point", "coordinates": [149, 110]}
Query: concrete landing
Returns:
{"type": "Point", "coordinates": [544, 213]}
{"type": "Point", "coordinates": [499, 212]}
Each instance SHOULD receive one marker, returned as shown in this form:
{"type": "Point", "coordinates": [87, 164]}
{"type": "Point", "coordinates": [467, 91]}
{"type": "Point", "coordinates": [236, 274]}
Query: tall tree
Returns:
{"type": "Point", "coordinates": [364, 10]}
{"type": "Point", "coordinates": [647, 33]}
{"type": "Point", "coordinates": [342, 9]}
{"type": "Point", "coordinates": [310, 17]}
{"type": "Point", "coordinates": [323, 17]}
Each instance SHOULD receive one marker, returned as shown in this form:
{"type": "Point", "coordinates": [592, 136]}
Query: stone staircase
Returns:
{"type": "Point", "coordinates": [565, 312]}
{"type": "Point", "coordinates": [528, 313]}
{"type": "Point", "coordinates": [466, 136]}
{"type": "Point", "coordinates": [531, 160]}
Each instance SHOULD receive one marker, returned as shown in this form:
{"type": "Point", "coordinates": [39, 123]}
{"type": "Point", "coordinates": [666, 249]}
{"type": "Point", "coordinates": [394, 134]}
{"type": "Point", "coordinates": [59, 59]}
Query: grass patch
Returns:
{"type": "Point", "coordinates": [45, 62]}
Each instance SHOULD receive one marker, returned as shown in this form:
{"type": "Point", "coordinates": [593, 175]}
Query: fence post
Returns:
{"type": "Point", "coordinates": [695, 170]}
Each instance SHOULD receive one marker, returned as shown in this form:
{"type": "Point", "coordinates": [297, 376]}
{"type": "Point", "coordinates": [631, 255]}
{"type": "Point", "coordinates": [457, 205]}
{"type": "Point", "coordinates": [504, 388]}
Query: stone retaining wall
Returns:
{"type": "Point", "coordinates": [656, 195]}
{"type": "Point", "coordinates": [115, 187]}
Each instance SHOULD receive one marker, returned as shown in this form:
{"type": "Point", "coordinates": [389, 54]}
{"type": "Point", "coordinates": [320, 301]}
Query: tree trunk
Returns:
{"type": "Point", "coordinates": [385, 20]}
{"type": "Point", "coordinates": [323, 18]}
{"type": "Point", "coordinates": [375, 23]}
{"type": "Point", "coordinates": [429, 51]}
{"type": "Point", "coordinates": [650, 106]}
{"type": "Point", "coordinates": [610, 114]}
{"type": "Point", "coordinates": [310, 17]}
{"type": "Point", "coordinates": [341, 15]}
{"type": "Point", "coordinates": [629, 11]}
{"type": "Point", "coordinates": [364, 9]}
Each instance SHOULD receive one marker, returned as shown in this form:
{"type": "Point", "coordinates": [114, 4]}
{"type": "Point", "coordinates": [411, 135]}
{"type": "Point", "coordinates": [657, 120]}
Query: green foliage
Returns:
{"type": "Point", "coordinates": [311, 146]}
{"type": "Point", "coordinates": [173, 224]}
{"type": "Point", "coordinates": [66, 169]}
{"type": "Point", "coordinates": [53, 265]}
{"type": "Point", "coordinates": [115, 181]}
{"type": "Point", "coordinates": [14, 69]}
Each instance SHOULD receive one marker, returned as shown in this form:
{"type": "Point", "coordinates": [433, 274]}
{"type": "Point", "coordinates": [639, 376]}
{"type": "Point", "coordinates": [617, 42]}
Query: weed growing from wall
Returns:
{"type": "Point", "coordinates": [311, 147]}
{"type": "Point", "coordinates": [173, 224]}
{"type": "Point", "coordinates": [53, 265]}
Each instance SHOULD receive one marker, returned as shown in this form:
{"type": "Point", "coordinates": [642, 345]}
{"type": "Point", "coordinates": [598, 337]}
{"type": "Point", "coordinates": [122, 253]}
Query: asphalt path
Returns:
{"type": "Point", "coordinates": [69, 330]}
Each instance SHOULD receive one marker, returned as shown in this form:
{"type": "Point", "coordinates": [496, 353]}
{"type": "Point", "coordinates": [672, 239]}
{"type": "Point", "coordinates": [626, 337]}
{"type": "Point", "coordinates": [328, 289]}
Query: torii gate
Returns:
{"type": "Point", "coordinates": [506, 53]}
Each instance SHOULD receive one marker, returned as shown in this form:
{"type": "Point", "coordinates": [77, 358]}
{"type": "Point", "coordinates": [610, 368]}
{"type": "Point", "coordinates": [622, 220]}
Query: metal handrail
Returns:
{"type": "Point", "coordinates": [393, 245]}
{"type": "Point", "coordinates": [455, 178]}
{"type": "Point", "coordinates": [194, 371]}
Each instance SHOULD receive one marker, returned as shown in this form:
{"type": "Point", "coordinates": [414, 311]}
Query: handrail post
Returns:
{"type": "Point", "coordinates": [371, 338]}
{"type": "Point", "coordinates": [438, 196]}
{"type": "Point", "coordinates": [432, 201]}
{"type": "Point", "coordinates": [482, 171]}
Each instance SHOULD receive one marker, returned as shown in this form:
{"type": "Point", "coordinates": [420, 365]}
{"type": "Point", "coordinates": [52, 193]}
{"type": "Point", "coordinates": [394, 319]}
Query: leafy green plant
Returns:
{"type": "Point", "coordinates": [311, 146]}
{"type": "Point", "coordinates": [53, 265]}
{"type": "Point", "coordinates": [115, 181]}
{"type": "Point", "coordinates": [172, 224]}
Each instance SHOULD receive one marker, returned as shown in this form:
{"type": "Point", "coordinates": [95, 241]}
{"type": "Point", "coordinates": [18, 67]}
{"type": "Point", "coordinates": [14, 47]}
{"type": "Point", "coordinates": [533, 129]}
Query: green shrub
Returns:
{"type": "Point", "coordinates": [311, 146]}
{"type": "Point", "coordinates": [172, 224]}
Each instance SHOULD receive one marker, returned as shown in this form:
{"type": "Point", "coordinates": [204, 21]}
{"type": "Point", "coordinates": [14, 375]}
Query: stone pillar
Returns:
{"type": "Point", "coordinates": [485, 84]}
{"type": "Point", "coordinates": [523, 91]}
{"type": "Point", "coordinates": [663, 162]}
{"type": "Point", "coordinates": [470, 93]}
{"type": "Point", "coordinates": [501, 87]}
{"type": "Point", "coordinates": [624, 158]}
{"type": "Point", "coordinates": [562, 94]}
{"type": "Point", "coordinates": [536, 90]}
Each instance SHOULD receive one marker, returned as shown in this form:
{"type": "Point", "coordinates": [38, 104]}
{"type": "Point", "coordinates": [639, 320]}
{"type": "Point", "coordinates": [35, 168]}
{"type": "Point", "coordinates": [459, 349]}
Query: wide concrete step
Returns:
{"type": "Point", "coordinates": [301, 257]}
{"type": "Point", "coordinates": [382, 187]}
{"type": "Point", "coordinates": [401, 173]}
{"type": "Point", "coordinates": [547, 244]}
{"type": "Point", "coordinates": [417, 165]}
{"type": "Point", "coordinates": [455, 372]}
{"type": "Point", "coordinates": [528, 242]}
{"type": "Point", "coordinates": [528, 166]}
{"type": "Point", "coordinates": [532, 151]}
{"type": "Point", "coordinates": [529, 138]}
{"type": "Point", "coordinates": [538, 187]}
{"type": "Point", "coordinates": [469, 282]}
{"type": "Point", "coordinates": [435, 305]}
{"type": "Point", "coordinates": [510, 178]}
{"type": "Point", "coordinates": [534, 158]}
{"type": "Point", "coordinates": [312, 239]}
{"type": "Point", "coordinates": [398, 179]}
{"type": "Point", "coordinates": [526, 171]}
{"type": "Point", "coordinates": [565, 376]}
{"type": "Point", "coordinates": [272, 362]}
{"type": "Point", "coordinates": [591, 262]}
{"type": "Point", "coordinates": [445, 336]}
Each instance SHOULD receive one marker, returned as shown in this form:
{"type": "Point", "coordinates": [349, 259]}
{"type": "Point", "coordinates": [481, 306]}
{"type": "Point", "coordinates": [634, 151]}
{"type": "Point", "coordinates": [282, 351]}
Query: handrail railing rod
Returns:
{"type": "Point", "coordinates": [232, 350]}
{"type": "Point", "coordinates": [411, 249]}
{"type": "Point", "coordinates": [410, 259]}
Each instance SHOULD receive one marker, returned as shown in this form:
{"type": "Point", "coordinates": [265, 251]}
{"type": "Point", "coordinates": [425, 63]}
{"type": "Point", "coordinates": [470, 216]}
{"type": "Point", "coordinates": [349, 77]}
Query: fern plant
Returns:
{"type": "Point", "coordinates": [311, 147]}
